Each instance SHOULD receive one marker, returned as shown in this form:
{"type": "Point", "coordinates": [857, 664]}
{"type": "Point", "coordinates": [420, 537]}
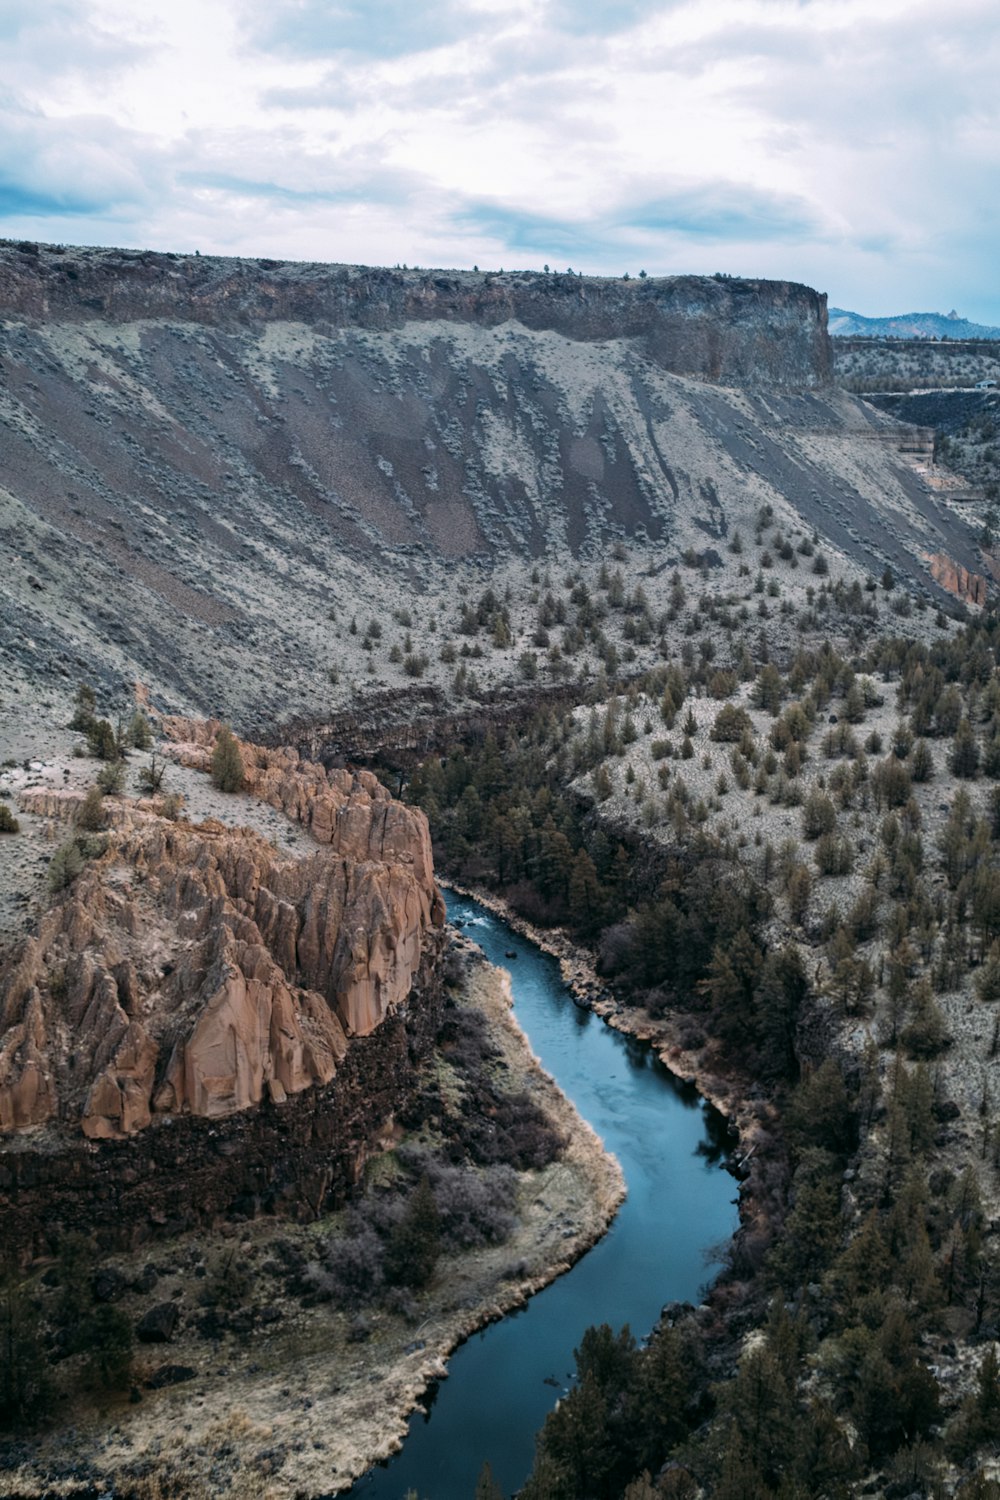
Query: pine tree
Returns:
{"type": "Point", "coordinates": [227, 762]}
{"type": "Point", "coordinates": [414, 1245]}
{"type": "Point", "coordinates": [25, 1387]}
{"type": "Point", "coordinates": [964, 758]}
{"type": "Point", "coordinates": [486, 1486]}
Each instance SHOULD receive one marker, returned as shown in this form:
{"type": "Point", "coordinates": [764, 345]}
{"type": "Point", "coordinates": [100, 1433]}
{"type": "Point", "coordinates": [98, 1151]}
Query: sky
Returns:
{"type": "Point", "coordinates": [850, 144]}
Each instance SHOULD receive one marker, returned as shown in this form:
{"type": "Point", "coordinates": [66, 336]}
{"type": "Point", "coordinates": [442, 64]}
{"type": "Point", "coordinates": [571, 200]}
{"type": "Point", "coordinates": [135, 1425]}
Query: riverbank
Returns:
{"type": "Point", "coordinates": [304, 1405]}
{"type": "Point", "coordinates": [727, 1092]}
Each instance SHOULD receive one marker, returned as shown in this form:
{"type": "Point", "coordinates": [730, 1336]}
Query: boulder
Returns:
{"type": "Point", "coordinates": [157, 1324]}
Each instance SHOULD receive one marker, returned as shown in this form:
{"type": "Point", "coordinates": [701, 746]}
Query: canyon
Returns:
{"type": "Point", "coordinates": [235, 458]}
{"type": "Point", "coordinates": [607, 570]}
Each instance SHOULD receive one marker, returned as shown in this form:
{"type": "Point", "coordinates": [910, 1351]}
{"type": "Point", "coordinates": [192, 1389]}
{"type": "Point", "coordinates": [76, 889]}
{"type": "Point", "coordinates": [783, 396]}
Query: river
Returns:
{"type": "Point", "coordinates": [671, 1146]}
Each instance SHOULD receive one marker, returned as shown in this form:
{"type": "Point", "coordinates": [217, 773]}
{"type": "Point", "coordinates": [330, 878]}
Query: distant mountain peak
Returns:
{"type": "Point", "coordinates": [925, 325]}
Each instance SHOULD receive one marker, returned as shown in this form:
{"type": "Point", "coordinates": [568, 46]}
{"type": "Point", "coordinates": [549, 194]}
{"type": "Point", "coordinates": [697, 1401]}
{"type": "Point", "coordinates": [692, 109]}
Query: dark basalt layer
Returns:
{"type": "Point", "coordinates": [727, 329]}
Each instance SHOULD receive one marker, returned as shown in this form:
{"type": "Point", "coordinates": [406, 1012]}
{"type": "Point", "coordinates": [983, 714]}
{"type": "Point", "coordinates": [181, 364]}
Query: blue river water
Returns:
{"type": "Point", "coordinates": [671, 1146]}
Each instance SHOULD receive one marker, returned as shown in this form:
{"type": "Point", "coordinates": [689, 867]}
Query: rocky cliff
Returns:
{"type": "Point", "coordinates": [196, 972]}
{"type": "Point", "coordinates": [727, 329]}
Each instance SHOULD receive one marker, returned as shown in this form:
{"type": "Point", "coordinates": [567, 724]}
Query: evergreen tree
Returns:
{"type": "Point", "coordinates": [586, 906]}
{"type": "Point", "coordinates": [25, 1388]}
{"type": "Point", "coordinates": [227, 762]}
{"type": "Point", "coordinates": [107, 1338]}
{"type": "Point", "coordinates": [486, 1486]}
{"type": "Point", "coordinates": [964, 758]}
{"type": "Point", "coordinates": [412, 1251]}
{"type": "Point", "coordinates": [84, 708]}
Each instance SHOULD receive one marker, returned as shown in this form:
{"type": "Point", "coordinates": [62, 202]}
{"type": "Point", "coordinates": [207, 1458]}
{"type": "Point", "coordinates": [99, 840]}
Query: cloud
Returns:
{"type": "Point", "coordinates": [726, 211]}
{"type": "Point", "coordinates": [79, 166]}
{"type": "Point", "coordinates": [368, 28]}
{"type": "Point", "coordinates": [39, 43]}
{"type": "Point", "coordinates": [602, 17]}
{"type": "Point", "coordinates": [345, 183]}
{"type": "Point", "coordinates": [713, 213]}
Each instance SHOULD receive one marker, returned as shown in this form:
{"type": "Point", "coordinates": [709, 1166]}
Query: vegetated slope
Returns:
{"type": "Point", "coordinates": [209, 466]}
{"type": "Point", "coordinates": [793, 875]}
{"type": "Point", "coordinates": [909, 326]}
{"type": "Point", "coordinates": [865, 365]}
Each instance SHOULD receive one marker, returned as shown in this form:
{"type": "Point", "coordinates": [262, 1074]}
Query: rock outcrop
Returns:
{"type": "Point", "coordinates": [968, 586]}
{"type": "Point", "coordinates": [198, 970]}
{"type": "Point", "coordinates": [723, 328]}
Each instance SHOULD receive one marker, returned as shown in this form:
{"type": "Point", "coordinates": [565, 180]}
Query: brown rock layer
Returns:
{"type": "Point", "coordinates": [296, 1159]}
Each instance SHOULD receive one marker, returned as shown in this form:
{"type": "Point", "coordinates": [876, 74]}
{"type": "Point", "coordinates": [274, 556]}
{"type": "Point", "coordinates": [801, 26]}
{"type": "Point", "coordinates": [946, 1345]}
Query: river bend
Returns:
{"type": "Point", "coordinates": [680, 1203]}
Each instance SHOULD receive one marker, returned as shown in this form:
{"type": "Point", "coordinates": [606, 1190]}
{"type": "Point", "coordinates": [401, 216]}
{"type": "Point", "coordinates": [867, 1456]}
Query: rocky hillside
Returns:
{"type": "Point", "coordinates": [194, 972]}
{"type": "Point", "coordinates": [209, 467]}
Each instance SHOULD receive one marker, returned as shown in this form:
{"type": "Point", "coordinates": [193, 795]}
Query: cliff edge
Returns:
{"type": "Point", "coordinates": [728, 329]}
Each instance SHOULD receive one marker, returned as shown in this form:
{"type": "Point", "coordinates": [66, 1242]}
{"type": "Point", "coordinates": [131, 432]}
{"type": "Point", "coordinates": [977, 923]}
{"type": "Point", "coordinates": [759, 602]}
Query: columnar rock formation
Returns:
{"type": "Point", "coordinates": [198, 970]}
{"type": "Point", "coordinates": [726, 328]}
{"type": "Point", "coordinates": [964, 584]}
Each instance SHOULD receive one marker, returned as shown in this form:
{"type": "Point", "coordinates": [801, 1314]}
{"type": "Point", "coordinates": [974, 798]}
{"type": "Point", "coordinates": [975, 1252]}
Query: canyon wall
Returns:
{"type": "Point", "coordinates": [728, 329]}
{"type": "Point", "coordinates": [239, 458]}
{"type": "Point", "coordinates": [196, 973]}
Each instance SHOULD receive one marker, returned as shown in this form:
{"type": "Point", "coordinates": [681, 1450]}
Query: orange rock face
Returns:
{"type": "Point", "coordinates": [957, 580]}
{"type": "Point", "coordinates": [198, 970]}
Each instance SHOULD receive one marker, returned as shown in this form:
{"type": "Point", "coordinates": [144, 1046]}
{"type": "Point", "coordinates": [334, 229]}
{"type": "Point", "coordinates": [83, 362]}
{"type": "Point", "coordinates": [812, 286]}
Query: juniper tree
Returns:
{"type": "Point", "coordinates": [227, 762]}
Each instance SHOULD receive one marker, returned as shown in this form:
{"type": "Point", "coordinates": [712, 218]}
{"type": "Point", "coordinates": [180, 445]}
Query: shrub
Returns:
{"type": "Point", "coordinates": [731, 723]}
{"type": "Point", "coordinates": [227, 762]}
{"type": "Point", "coordinates": [353, 1271]}
{"type": "Point", "coordinates": [111, 778]}
{"type": "Point", "coordinates": [70, 858]}
{"type": "Point", "coordinates": [151, 776]}
{"type": "Point", "coordinates": [8, 822]}
{"type": "Point", "coordinates": [90, 814]}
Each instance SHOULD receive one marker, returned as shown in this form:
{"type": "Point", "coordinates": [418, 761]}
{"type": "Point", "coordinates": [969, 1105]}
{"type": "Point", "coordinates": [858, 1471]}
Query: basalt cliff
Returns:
{"type": "Point", "coordinates": [203, 1021]}
{"type": "Point", "coordinates": [240, 456]}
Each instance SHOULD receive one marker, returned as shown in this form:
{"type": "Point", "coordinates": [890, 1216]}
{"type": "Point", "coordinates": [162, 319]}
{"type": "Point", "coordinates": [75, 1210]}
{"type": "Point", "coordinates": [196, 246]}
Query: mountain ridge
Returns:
{"type": "Point", "coordinates": [916, 325]}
